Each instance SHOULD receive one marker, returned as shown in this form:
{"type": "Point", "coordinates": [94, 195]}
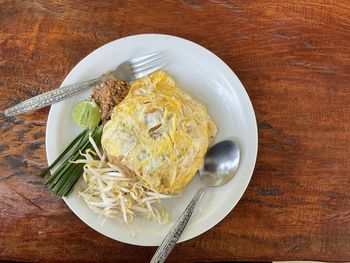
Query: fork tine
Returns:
{"type": "Point", "coordinates": [148, 70]}
{"type": "Point", "coordinates": [139, 59]}
{"type": "Point", "coordinates": [148, 65]}
{"type": "Point", "coordinates": [144, 62]}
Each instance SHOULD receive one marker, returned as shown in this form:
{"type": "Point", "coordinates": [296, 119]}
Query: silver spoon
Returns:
{"type": "Point", "coordinates": [220, 165]}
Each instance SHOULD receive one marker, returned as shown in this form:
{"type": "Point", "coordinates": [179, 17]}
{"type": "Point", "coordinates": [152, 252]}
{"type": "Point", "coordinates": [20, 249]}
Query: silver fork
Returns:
{"type": "Point", "coordinates": [128, 71]}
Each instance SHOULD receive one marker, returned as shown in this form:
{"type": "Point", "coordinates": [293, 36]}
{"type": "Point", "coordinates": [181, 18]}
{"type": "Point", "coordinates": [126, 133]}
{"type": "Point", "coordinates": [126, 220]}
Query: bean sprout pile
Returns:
{"type": "Point", "coordinates": [111, 194]}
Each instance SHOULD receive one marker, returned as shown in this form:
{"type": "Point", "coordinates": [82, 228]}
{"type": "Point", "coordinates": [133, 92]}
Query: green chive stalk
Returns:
{"type": "Point", "coordinates": [62, 181]}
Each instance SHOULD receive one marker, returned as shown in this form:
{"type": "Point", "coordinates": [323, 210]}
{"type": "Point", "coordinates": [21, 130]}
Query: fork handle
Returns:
{"type": "Point", "coordinates": [51, 97]}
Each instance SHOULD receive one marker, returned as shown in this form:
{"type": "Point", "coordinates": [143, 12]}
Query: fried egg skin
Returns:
{"type": "Point", "coordinates": [158, 134]}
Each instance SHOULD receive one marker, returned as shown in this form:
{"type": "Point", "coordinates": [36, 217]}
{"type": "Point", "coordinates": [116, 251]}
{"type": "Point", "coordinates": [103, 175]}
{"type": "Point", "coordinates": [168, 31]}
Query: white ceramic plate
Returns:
{"type": "Point", "coordinates": [205, 77]}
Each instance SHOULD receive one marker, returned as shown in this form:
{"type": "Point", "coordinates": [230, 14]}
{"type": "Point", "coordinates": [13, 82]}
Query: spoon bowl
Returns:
{"type": "Point", "coordinates": [220, 164]}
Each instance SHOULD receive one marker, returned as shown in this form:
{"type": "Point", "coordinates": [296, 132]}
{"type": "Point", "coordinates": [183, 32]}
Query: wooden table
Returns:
{"type": "Point", "coordinates": [293, 58]}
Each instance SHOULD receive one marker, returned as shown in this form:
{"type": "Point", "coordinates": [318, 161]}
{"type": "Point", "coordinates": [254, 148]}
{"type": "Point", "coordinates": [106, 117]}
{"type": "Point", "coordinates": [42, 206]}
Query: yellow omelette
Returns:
{"type": "Point", "coordinates": [158, 134]}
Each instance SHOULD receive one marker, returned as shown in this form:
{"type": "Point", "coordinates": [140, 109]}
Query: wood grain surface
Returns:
{"type": "Point", "coordinates": [293, 58]}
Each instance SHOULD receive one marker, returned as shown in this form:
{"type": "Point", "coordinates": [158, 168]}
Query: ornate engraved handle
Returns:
{"type": "Point", "coordinates": [50, 97]}
{"type": "Point", "coordinates": [174, 234]}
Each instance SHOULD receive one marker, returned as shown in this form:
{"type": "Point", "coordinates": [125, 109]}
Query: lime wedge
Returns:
{"type": "Point", "coordinates": [86, 114]}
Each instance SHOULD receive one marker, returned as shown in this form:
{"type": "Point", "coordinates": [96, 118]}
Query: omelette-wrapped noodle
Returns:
{"type": "Point", "coordinates": [158, 134]}
{"type": "Point", "coordinates": [111, 194]}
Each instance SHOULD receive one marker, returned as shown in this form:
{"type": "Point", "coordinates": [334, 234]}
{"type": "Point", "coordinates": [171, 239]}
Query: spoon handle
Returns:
{"type": "Point", "coordinates": [175, 232]}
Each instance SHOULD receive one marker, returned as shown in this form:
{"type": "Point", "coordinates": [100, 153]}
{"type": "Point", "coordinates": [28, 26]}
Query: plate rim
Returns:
{"type": "Point", "coordinates": [242, 89]}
